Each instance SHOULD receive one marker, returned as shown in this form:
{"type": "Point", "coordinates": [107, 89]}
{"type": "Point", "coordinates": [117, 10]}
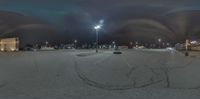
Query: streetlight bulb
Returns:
{"type": "Point", "coordinates": [159, 40]}
{"type": "Point", "coordinates": [113, 42]}
{"type": "Point", "coordinates": [97, 27]}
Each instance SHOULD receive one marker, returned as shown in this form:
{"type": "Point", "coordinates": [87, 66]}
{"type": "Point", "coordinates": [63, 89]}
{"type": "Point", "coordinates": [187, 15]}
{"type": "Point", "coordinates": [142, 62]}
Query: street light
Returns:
{"type": "Point", "coordinates": [159, 40]}
{"type": "Point", "coordinates": [113, 44]}
{"type": "Point", "coordinates": [136, 44]}
{"type": "Point", "coordinates": [75, 41]}
{"type": "Point", "coordinates": [186, 47]}
{"type": "Point", "coordinates": [97, 27]}
{"type": "Point", "coordinates": [46, 43]}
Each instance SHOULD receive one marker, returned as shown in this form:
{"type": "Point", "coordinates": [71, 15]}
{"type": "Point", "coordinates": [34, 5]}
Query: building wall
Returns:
{"type": "Point", "coordinates": [196, 48]}
{"type": "Point", "coordinates": [9, 44]}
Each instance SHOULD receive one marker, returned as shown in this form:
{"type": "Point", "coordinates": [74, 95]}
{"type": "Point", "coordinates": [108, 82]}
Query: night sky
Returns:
{"type": "Point", "coordinates": [125, 20]}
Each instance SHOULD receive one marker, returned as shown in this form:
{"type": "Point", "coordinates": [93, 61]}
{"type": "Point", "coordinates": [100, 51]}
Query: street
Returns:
{"type": "Point", "coordinates": [83, 74]}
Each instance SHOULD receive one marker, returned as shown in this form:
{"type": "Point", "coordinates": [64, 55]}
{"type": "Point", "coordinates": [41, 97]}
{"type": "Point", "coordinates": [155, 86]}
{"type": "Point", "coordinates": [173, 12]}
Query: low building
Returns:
{"type": "Point", "coordinates": [196, 48]}
{"type": "Point", "coordinates": [192, 45]}
{"type": "Point", "coordinates": [9, 44]}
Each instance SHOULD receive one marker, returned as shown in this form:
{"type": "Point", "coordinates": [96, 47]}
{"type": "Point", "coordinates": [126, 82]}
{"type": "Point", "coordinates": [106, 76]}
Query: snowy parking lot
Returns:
{"type": "Point", "coordinates": [83, 74]}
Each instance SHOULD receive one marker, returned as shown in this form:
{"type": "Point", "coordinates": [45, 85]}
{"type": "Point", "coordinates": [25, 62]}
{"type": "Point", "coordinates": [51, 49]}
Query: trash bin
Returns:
{"type": "Point", "coordinates": [186, 54]}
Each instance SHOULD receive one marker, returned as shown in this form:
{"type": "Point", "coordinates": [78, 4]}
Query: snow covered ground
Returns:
{"type": "Point", "coordinates": [83, 74]}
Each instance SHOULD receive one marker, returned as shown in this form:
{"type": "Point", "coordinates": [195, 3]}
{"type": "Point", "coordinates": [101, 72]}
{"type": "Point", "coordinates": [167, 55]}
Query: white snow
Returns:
{"type": "Point", "coordinates": [82, 74]}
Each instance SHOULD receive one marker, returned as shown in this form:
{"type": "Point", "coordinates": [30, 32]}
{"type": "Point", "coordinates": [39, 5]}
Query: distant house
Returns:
{"type": "Point", "coordinates": [196, 48]}
{"type": "Point", "coordinates": [9, 44]}
{"type": "Point", "coordinates": [193, 46]}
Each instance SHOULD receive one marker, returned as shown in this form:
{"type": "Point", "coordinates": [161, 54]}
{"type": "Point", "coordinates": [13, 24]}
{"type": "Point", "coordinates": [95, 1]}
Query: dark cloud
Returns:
{"type": "Point", "coordinates": [27, 28]}
{"type": "Point", "coordinates": [125, 20]}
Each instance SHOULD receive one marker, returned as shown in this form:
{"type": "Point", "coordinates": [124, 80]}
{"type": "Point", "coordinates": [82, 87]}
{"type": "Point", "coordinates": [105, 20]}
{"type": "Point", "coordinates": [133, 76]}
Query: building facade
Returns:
{"type": "Point", "coordinates": [9, 44]}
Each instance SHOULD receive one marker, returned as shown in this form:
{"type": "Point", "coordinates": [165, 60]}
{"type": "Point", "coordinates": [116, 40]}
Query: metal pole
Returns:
{"type": "Point", "coordinates": [159, 44]}
{"type": "Point", "coordinates": [75, 45]}
{"type": "Point", "coordinates": [97, 40]}
{"type": "Point", "coordinates": [186, 47]}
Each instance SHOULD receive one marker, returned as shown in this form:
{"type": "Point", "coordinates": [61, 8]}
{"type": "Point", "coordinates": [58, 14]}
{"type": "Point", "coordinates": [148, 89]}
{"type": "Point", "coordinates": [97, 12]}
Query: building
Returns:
{"type": "Point", "coordinates": [192, 45]}
{"type": "Point", "coordinates": [195, 45]}
{"type": "Point", "coordinates": [9, 44]}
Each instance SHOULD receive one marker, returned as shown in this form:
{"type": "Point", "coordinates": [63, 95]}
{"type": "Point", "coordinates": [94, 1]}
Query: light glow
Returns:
{"type": "Point", "coordinates": [75, 41]}
{"type": "Point", "coordinates": [97, 27]}
{"type": "Point", "coordinates": [12, 49]}
{"type": "Point", "coordinates": [159, 40]}
{"type": "Point", "coordinates": [193, 42]}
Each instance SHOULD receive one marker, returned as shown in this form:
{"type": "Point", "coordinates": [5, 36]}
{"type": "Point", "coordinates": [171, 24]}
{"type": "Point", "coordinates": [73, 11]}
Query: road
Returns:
{"type": "Point", "coordinates": [83, 74]}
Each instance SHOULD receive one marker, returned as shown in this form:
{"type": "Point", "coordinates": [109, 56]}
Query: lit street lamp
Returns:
{"type": "Point", "coordinates": [168, 44]}
{"type": "Point", "coordinates": [131, 45]}
{"type": "Point", "coordinates": [159, 40]}
{"type": "Point", "coordinates": [46, 43]}
{"type": "Point", "coordinates": [186, 47]}
{"type": "Point", "coordinates": [136, 44]}
{"type": "Point", "coordinates": [75, 41]}
{"type": "Point", "coordinates": [113, 44]}
{"type": "Point", "coordinates": [97, 27]}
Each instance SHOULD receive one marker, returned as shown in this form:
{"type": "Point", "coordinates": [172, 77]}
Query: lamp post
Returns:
{"type": "Point", "coordinates": [75, 46]}
{"type": "Point", "coordinates": [159, 40]}
{"type": "Point", "coordinates": [97, 27]}
{"type": "Point", "coordinates": [186, 47]}
{"type": "Point", "coordinates": [46, 43]}
{"type": "Point", "coordinates": [113, 45]}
